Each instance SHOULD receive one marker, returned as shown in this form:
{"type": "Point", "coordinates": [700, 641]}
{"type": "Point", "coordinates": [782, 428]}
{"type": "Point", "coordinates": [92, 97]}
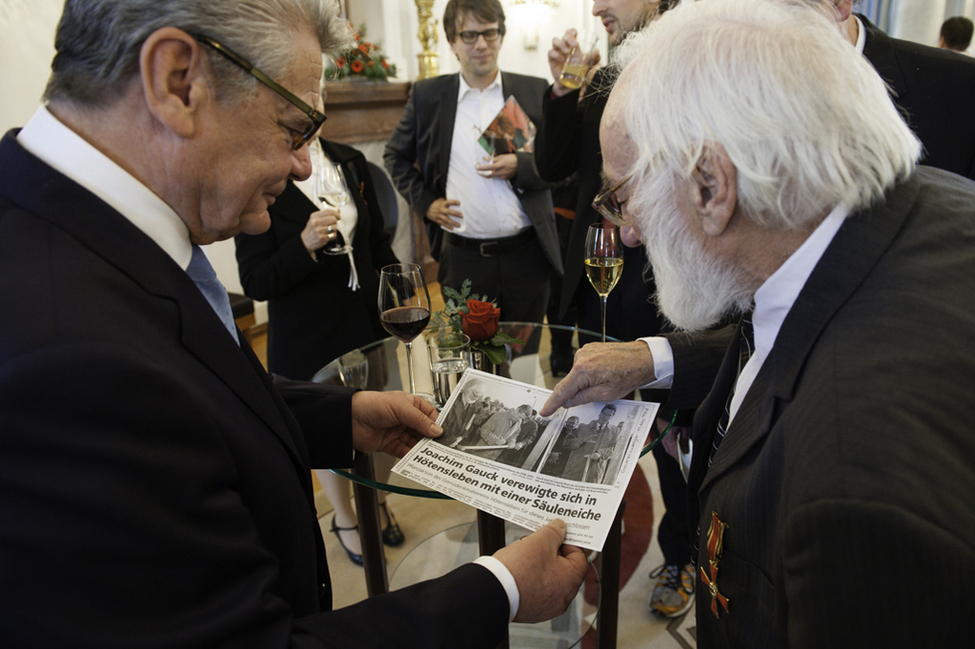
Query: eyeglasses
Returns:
{"type": "Point", "coordinates": [490, 35]}
{"type": "Point", "coordinates": [610, 206]}
{"type": "Point", "coordinates": [298, 138]}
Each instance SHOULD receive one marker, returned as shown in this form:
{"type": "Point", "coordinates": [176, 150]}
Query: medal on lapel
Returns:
{"type": "Point", "coordinates": [715, 545]}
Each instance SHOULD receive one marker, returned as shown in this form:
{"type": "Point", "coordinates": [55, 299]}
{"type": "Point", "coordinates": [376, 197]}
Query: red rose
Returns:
{"type": "Point", "coordinates": [357, 66]}
{"type": "Point", "coordinates": [481, 320]}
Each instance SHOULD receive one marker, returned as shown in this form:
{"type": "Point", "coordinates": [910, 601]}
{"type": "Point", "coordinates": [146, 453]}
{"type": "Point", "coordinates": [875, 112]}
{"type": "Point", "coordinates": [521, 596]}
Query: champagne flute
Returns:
{"type": "Point", "coordinates": [604, 260]}
{"type": "Point", "coordinates": [331, 191]}
{"type": "Point", "coordinates": [404, 306]}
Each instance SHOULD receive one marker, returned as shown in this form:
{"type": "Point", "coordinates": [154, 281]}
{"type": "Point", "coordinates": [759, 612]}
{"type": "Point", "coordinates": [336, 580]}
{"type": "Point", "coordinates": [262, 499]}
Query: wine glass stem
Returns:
{"type": "Point", "coordinates": [409, 365]}
{"type": "Point", "coordinates": [604, 317]}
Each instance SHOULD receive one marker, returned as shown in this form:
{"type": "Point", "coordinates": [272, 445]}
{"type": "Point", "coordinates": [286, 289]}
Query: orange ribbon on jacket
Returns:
{"type": "Point", "coordinates": [715, 545]}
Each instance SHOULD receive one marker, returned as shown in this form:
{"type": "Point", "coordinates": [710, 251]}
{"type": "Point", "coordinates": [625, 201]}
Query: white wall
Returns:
{"type": "Point", "coordinates": [394, 24]}
{"type": "Point", "coordinates": [26, 49]}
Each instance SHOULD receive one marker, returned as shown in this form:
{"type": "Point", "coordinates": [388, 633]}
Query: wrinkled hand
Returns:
{"type": "Point", "coordinates": [547, 573]}
{"type": "Point", "coordinates": [391, 422]}
{"type": "Point", "coordinates": [602, 372]}
{"type": "Point", "coordinates": [504, 166]}
{"type": "Point", "coordinates": [441, 213]}
{"type": "Point", "coordinates": [316, 232]}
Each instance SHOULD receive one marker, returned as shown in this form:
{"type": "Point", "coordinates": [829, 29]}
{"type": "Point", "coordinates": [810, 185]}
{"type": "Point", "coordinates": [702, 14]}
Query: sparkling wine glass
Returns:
{"type": "Point", "coordinates": [331, 191]}
{"type": "Point", "coordinates": [604, 261]}
{"type": "Point", "coordinates": [404, 306]}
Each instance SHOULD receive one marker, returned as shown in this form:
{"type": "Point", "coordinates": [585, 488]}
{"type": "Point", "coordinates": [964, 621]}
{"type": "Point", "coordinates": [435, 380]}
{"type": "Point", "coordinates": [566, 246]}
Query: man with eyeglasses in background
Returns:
{"type": "Point", "coordinates": [155, 480]}
{"type": "Point", "coordinates": [494, 225]}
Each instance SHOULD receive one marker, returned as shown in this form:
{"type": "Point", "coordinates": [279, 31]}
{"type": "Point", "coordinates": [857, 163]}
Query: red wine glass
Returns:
{"type": "Point", "coordinates": [404, 306]}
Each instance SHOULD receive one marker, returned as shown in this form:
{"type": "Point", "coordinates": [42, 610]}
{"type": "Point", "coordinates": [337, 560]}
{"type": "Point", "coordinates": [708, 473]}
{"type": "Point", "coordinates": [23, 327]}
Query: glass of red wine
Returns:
{"type": "Point", "coordinates": [404, 306]}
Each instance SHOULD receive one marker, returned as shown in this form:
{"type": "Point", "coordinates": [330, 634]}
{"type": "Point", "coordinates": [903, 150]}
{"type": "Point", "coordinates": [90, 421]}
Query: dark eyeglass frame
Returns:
{"type": "Point", "coordinates": [470, 36]}
{"type": "Point", "coordinates": [609, 205]}
{"type": "Point", "coordinates": [298, 138]}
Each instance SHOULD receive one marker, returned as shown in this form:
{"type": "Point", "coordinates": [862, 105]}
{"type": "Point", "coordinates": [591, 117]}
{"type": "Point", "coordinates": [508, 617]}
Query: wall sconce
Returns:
{"type": "Point", "coordinates": [530, 13]}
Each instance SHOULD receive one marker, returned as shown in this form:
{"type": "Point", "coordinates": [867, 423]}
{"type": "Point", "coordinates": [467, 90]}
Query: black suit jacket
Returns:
{"type": "Point", "coordinates": [313, 315]}
{"type": "Point", "coordinates": [567, 143]}
{"type": "Point", "coordinates": [935, 90]}
{"type": "Point", "coordinates": [418, 154]}
{"type": "Point", "coordinates": [846, 478]}
{"type": "Point", "coordinates": [155, 487]}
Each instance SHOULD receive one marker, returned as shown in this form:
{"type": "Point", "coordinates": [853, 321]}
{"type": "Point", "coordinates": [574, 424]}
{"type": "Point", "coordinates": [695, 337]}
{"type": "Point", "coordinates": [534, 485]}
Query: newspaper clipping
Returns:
{"type": "Point", "coordinates": [498, 455]}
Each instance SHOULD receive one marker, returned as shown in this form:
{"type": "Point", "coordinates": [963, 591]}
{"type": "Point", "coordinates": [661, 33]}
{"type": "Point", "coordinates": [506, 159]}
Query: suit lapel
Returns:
{"type": "Point", "coordinates": [447, 114]}
{"type": "Point", "coordinates": [879, 50]}
{"type": "Point", "coordinates": [115, 239]}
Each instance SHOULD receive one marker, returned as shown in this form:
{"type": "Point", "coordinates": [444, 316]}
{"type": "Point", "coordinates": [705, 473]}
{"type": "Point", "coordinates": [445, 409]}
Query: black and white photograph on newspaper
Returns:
{"type": "Point", "coordinates": [498, 455]}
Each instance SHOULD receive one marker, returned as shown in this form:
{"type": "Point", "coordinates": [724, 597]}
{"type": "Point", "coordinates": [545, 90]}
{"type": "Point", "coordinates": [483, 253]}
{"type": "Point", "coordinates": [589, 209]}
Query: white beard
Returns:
{"type": "Point", "coordinates": [694, 290]}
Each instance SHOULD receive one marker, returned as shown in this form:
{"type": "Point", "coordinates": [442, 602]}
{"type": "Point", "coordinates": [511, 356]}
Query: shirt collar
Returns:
{"type": "Point", "coordinates": [861, 35]}
{"type": "Point", "coordinates": [54, 143]}
{"type": "Point", "coordinates": [465, 87]}
{"type": "Point", "coordinates": [775, 298]}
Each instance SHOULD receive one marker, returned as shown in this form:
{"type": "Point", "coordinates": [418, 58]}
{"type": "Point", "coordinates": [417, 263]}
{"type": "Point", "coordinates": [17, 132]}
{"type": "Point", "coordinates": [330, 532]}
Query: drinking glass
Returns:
{"type": "Point", "coordinates": [331, 191]}
{"type": "Point", "coordinates": [354, 369]}
{"type": "Point", "coordinates": [484, 156]}
{"type": "Point", "coordinates": [604, 261]}
{"type": "Point", "coordinates": [575, 70]}
{"type": "Point", "coordinates": [449, 352]}
{"type": "Point", "coordinates": [404, 306]}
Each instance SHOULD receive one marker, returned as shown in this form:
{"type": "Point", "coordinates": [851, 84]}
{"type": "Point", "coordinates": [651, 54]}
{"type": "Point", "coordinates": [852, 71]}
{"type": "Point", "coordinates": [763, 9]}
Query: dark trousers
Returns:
{"type": "Point", "coordinates": [672, 535]}
{"type": "Point", "coordinates": [518, 279]}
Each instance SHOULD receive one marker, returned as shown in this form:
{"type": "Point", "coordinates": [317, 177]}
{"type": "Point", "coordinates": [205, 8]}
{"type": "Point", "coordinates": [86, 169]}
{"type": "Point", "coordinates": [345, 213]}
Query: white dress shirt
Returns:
{"type": "Point", "coordinates": [490, 206]}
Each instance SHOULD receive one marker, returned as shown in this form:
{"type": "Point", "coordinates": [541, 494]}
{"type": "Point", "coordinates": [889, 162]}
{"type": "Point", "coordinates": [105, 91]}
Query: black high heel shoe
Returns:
{"type": "Point", "coordinates": [392, 535]}
{"type": "Point", "coordinates": [355, 558]}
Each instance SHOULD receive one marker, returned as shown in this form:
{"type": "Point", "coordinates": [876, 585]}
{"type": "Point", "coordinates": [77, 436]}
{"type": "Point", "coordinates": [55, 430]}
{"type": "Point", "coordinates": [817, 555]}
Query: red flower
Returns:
{"type": "Point", "coordinates": [364, 48]}
{"type": "Point", "coordinates": [357, 66]}
{"type": "Point", "coordinates": [385, 65]}
{"type": "Point", "coordinates": [340, 63]}
{"type": "Point", "coordinates": [481, 321]}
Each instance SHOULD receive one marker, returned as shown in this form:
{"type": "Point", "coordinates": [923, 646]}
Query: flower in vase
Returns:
{"type": "Point", "coordinates": [481, 320]}
{"type": "Point", "coordinates": [477, 317]}
{"type": "Point", "coordinates": [365, 61]}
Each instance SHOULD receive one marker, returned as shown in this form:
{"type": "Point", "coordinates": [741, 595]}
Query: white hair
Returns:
{"type": "Point", "coordinates": [807, 123]}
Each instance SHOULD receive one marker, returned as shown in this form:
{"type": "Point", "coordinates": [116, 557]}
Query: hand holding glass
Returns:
{"type": "Point", "coordinates": [331, 191]}
{"type": "Point", "coordinates": [482, 156]}
{"type": "Point", "coordinates": [581, 57]}
{"type": "Point", "coordinates": [404, 306]}
{"type": "Point", "coordinates": [604, 261]}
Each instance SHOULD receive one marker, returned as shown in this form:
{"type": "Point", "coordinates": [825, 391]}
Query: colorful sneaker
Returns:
{"type": "Point", "coordinates": [674, 593]}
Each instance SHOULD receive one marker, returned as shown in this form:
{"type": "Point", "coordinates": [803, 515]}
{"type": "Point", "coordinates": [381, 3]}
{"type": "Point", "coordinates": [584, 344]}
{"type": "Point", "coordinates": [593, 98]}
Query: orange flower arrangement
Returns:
{"type": "Point", "coordinates": [364, 61]}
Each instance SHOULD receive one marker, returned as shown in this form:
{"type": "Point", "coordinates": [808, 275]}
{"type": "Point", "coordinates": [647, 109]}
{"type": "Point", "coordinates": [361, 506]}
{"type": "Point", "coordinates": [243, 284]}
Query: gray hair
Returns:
{"type": "Point", "coordinates": [98, 41]}
{"type": "Point", "coordinates": [807, 122]}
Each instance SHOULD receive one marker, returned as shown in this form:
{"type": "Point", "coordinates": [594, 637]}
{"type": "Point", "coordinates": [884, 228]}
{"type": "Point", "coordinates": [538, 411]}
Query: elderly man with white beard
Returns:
{"type": "Point", "coordinates": [767, 172]}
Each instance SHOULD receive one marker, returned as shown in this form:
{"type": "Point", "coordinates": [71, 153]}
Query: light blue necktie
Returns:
{"type": "Point", "coordinates": [202, 273]}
